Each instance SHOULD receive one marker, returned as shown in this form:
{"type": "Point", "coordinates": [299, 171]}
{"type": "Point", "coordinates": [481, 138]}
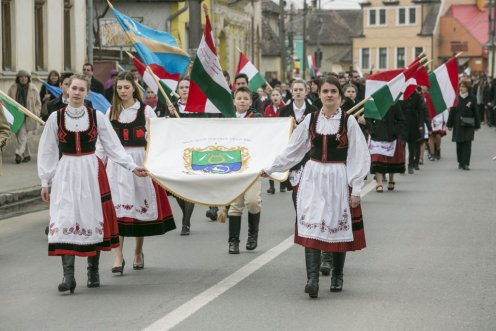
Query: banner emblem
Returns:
{"type": "Point", "coordinates": [216, 159]}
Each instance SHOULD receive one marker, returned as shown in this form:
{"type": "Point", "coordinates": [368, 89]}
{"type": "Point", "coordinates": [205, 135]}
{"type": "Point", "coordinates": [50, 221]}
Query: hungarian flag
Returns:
{"type": "Point", "coordinates": [12, 112]}
{"type": "Point", "coordinates": [208, 89]}
{"type": "Point", "coordinates": [311, 65]}
{"type": "Point", "coordinates": [166, 80]}
{"type": "Point", "coordinates": [387, 95]}
{"type": "Point", "coordinates": [255, 80]}
{"type": "Point", "coordinates": [444, 85]}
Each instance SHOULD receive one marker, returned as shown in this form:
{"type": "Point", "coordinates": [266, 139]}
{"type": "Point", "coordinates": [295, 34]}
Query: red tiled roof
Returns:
{"type": "Point", "coordinates": [474, 20]}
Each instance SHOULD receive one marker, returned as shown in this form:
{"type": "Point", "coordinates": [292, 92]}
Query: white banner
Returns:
{"type": "Point", "coordinates": [386, 148]}
{"type": "Point", "coordinates": [212, 161]}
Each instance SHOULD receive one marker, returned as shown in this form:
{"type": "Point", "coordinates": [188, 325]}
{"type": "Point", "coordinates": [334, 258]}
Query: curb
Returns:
{"type": "Point", "coordinates": [18, 195]}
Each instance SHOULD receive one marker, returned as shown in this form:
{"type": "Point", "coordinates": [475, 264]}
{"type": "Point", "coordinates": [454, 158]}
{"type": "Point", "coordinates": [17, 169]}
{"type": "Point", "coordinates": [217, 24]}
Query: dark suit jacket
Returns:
{"type": "Point", "coordinates": [288, 110]}
{"type": "Point", "coordinates": [96, 86]}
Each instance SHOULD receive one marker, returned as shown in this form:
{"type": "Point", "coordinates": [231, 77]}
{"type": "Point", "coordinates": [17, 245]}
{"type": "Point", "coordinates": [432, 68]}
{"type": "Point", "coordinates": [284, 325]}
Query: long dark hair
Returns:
{"type": "Point", "coordinates": [116, 100]}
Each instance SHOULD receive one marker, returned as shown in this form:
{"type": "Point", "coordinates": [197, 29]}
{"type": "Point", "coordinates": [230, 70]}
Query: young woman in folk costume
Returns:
{"type": "Point", "coordinates": [141, 206]}
{"type": "Point", "coordinates": [329, 216]}
{"type": "Point", "coordinates": [82, 215]}
{"type": "Point", "coordinates": [298, 108]}
{"type": "Point", "coordinates": [180, 106]}
{"type": "Point", "coordinates": [273, 110]}
{"type": "Point", "coordinates": [386, 146]}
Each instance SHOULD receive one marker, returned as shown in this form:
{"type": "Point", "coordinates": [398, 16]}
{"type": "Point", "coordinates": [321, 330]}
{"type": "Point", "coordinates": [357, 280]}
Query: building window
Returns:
{"type": "Point", "coordinates": [6, 35]}
{"type": "Point", "coordinates": [383, 58]}
{"type": "Point", "coordinates": [400, 58]}
{"type": "Point", "coordinates": [417, 51]}
{"type": "Point", "coordinates": [401, 16]}
{"type": "Point", "coordinates": [365, 58]}
{"type": "Point", "coordinates": [407, 16]}
{"type": "Point", "coordinates": [382, 16]}
{"type": "Point", "coordinates": [67, 35]}
{"type": "Point", "coordinates": [377, 17]}
{"type": "Point", "coordinates": [372, 20]}
{"type": "Point", "coordinates": [39, 39]}
{"type": "Point", "coordinates": [412, 14]}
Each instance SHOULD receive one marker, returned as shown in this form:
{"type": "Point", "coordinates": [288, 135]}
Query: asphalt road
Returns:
{"type": "Point", "coordinates": [429, 265]}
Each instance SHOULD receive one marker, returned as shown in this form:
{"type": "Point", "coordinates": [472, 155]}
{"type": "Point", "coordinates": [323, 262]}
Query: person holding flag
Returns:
{"type": "Point", "coordinates": [141, 206]}
{"type": "Point", "coordinates": [82, 215]}
{"type": "Point", "coordinates": [28, 96]}
{"type": "Point", "coordinates": [46, 95]}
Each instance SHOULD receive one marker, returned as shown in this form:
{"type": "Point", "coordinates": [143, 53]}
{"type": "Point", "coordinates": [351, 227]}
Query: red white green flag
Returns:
{"type": "Point", "coordinates": [166, 80]}
{"type": "Point", "coordinates": [255, 80]}
{"type": "Point", "coordinates": [387, 95]}
{"type": "Point", "coordinates": [12, 112]}
{"type": "Point", "coordinates": [209, 91]}
{"type": "Point", "coordinates": [444, 85]}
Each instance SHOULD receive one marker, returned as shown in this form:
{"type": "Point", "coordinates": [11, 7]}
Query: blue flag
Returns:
{"type": "Point", "coordinates": [97, 100]}
{"type": "Point", "coordinates": [153, 46]}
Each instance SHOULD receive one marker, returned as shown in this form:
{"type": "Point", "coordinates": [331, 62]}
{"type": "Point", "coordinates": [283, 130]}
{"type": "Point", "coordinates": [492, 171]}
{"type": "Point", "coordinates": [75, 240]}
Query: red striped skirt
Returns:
{"type": "Point", "coordinates": [389, 165]}
{"type": "Point", "coordinates": [355, 245]}
{"type": "Point", "coordinates": [130, 227]}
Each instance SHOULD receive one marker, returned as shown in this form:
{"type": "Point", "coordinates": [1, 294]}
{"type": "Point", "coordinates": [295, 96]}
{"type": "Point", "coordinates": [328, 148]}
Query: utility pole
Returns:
{"type": "Point", "coordinates": [253, 32]}
{"type": "Point", "coordinates": [291, 39]}
{"type": "Point", "coordinates": [195, 26]}
{"type": "Point", "coordinates": [304, 59]}
{"type": "Point", "coordinates": [282, 41]}
{"type": "Point", "coordinates": [491, 10]}
{"type": "Point", "coordinates": [89, 30]}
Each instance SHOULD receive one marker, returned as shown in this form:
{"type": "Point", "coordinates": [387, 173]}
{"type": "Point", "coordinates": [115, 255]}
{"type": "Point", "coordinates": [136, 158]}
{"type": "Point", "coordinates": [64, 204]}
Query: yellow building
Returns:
{"type": "Point", "coordinates": [235, 26]}
{"type": "Point", "coordinates": [395, 32]}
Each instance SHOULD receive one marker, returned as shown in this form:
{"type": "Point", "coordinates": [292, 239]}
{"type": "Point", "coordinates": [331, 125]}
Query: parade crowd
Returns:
{"type": "Point", "coordinates": [91, 164]}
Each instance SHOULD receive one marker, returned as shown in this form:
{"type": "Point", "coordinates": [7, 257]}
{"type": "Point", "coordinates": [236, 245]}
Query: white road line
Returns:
{"type": "Point", "coordinates": [184, 311]}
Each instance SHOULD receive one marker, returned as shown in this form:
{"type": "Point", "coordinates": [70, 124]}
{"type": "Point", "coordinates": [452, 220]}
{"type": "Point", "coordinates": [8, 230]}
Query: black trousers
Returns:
{"type": "Point", "coordinates": [413, 153]}
{"type": "Point", "coordinates": [463, 151]}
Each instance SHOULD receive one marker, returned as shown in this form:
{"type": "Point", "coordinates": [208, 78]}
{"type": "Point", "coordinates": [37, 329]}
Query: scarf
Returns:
{"type": "Point", "coordinates": [22, 94]}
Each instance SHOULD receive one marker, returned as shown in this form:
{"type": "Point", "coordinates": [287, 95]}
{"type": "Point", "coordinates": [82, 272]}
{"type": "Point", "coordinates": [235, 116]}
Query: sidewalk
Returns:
{"type": "Point", "coordinates": [19, 188]}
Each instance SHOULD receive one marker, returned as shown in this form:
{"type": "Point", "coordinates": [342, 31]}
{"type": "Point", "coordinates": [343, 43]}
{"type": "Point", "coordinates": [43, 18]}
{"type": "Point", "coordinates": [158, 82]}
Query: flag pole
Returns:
{"type": "Point", "coordinates": [359, 112]}
{"type": "Point", "coordinates": [23, 109]}
{"type": "Point", "coordinates": [266, 82]}
{"type": "Point", "coordinates": [132, 57]}
{"type": "Point", "coordinates": [110, 5]}
{"type": "Point", "coordinates": [358, 105]}
{"type": "Point", "coordinates": [160, 88]}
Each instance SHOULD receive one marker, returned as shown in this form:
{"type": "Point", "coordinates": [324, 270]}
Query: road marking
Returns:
{"type": "Point", "coordinates": [184, 311]}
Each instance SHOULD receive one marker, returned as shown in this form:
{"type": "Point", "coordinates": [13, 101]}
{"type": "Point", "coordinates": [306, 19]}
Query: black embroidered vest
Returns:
{"type": "Point", "coordinates": [132, 134]}
{"type": "Point", "coordinates": [331, 148]}
{"type": "Point", "coordinates": [77, 143]}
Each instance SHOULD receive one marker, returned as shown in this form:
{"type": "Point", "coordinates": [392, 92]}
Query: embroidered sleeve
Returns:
{"type": "Point", "coordinates": [298, 146]}
{"type": "Point", "coordinates": [358, 160]}
{"type": "Point", "coordinates": [48, 151]}
{"type": "Point", "coordinates": [111, 143]}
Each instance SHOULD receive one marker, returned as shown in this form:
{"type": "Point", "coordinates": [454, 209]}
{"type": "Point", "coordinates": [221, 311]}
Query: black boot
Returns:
{"type": "Point", "coordinates": [234, 229]}
{"type": "Point", "coordinates": [438, 154]}
{"type": "Point", "coordinates": [187, 209]}
{"type": "Point", "coordinates": [271, 189]}
{"type": "Point", "coordinates": [253, 224]}
{"type": "Point", "coordinates": [326, 265]}
{"type": "Point", "coordinates": [337, 271]}
{"type": "Point", "coordinates": [282, 187]}
{"type": "Point", "coordinates": [93, 274]}
{"type": "Point", "coordinates": [68, 282]}
{"type": "Point", "coordinates": [212, 213]}
{"type": "Point", "coordinates": [312, 260]}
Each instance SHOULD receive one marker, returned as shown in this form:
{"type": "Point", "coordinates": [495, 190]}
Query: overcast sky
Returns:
{"type": "Point", "coordinates": [327, 4]}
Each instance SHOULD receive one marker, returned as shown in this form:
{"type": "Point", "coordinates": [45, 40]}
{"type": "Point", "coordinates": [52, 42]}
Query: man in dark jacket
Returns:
{"type": "Point", "coordinates": [415, 111]}
{"type": "Point", "coordinates": [96, 86]}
